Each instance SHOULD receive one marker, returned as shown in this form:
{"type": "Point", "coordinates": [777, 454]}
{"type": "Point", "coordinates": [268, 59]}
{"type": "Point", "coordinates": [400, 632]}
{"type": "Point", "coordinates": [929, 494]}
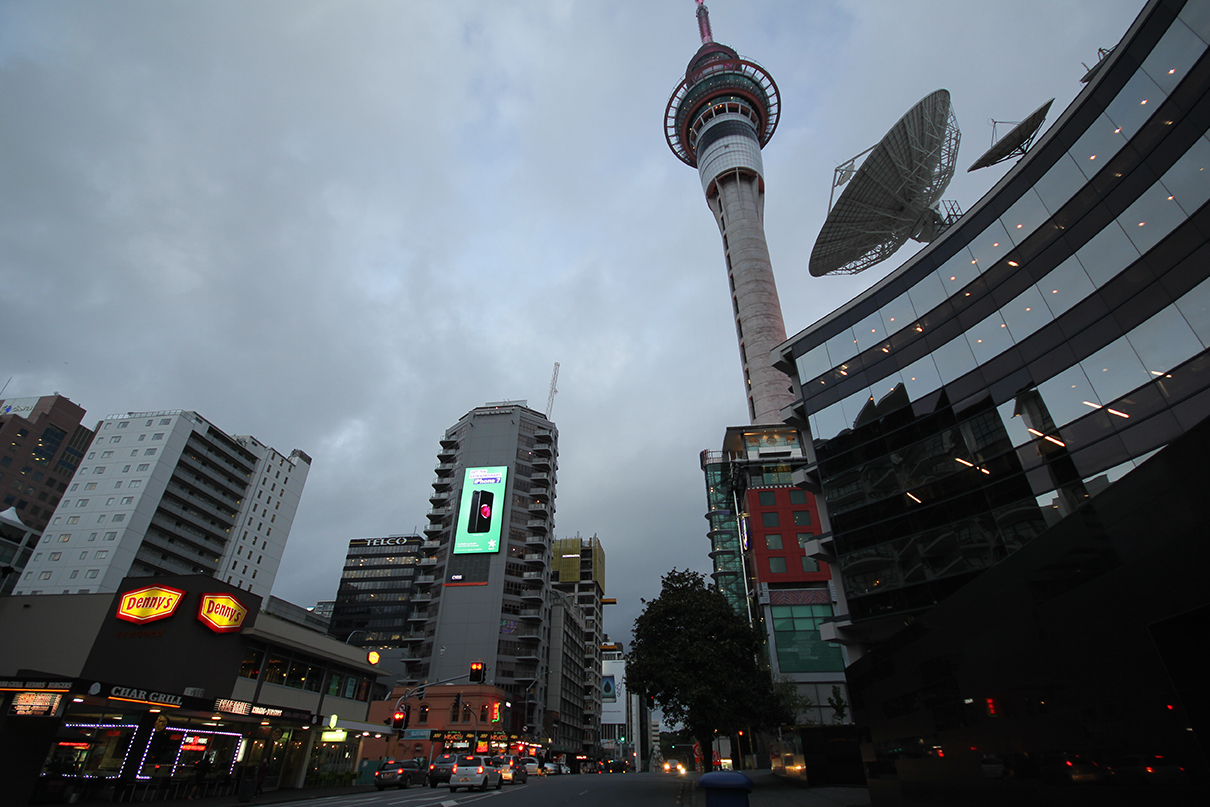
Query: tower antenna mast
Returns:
{"type": "Point", "coordinates": [550, 399]}
{"type": "Point", "coordinates": [703, 22]}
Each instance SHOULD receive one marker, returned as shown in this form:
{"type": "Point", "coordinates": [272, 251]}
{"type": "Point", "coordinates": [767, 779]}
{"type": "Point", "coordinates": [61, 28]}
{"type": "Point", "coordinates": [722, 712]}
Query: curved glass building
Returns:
{"type": "Point", "coordinates": [1006, 440]}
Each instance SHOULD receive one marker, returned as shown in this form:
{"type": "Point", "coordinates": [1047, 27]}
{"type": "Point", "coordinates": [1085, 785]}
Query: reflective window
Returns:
{"type": "Point", "coordinates": [1102, 140]}
{"type": "Point", "coordinates": [927, 294]}
{"type": "Point", "coordinates": [957, 272]}
{"type": "Point", "coordinates": [1195, 305]}
{"type": "Point", "coordinates": [1024, 216]}
{"type": "Point", "coordinates": [1017, 431]}
{"type": "Point", "coordinates": [1165, 341]}
{"type": "Point", "coordinates": [813, 363]}
{"type": "Point", "coordinates": [954, 359]}
{"type": "Point", "coordinates": [899, 313]}
{"type": "Point", "coordinates": [989, 338]}
{"type": "Point", "coordinates": [1173, 55]}
{"type": "Point", "coordinates": [1115, 369]}
{"type": "Point", "coordinates": [989, 246]}
{"type": "Point", "coordinates": [1151, 217]}
{"type": "Point", "coordinates": [921, 377]}
{"type": "Point", "coordinates": [1068, 396]}
{"type": "Point", "coordinates": [1106, 254]}
{"type": "Point", "coordinates": [853, 405]}
{"type": "Point", "coordinates": [828, 422]}
{"type": "Point", "coordinates": [842, 347]}
{"type": "Point", "coordinates": [869, 332]}
{"type": "Point", "coordinates": [1189, 177]}
{"type": "Point", "coordinates": [1066, 285]}
{"type": "Point", "coordinates": [1060, 183]}
{"type": "Point", "coordinates": [1197, 17]}
{"type": "Point", "coordinates": [1026, 314]}
{"type": "Point", "coordinates": [1134, 104]}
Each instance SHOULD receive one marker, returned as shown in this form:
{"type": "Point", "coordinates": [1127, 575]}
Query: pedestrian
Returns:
{"type": "Point", "coordinates": [262, 773]}
{"type": "Point", "coordinates": [201, 769]}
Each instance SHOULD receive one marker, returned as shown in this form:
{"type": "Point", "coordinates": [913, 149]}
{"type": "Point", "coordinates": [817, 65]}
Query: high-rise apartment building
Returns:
{"type": "Point", "coordinates": [169, 493]}
{"type": "Point", "coordinates": [566, 725]}
{"type": "Point", "coordinates": [488, 550]}
{"type": "Point", "coordinates": [579, 572]}
{"type": "Point", "coordinates": [41, 445]}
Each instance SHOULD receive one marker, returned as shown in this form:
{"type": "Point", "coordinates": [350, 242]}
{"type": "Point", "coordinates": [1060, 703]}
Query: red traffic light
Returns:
{"type": "Point", "coordinates": [477, 671]}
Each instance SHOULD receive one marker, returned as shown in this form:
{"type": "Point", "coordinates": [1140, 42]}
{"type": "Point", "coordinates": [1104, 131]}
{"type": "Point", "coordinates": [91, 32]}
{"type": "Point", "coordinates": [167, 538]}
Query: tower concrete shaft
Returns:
{"type": "Point", "coordinates": [718, 119]}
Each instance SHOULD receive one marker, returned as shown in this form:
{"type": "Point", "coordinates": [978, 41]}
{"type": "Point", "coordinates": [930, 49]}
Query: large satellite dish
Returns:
{"type": "Point", "coordinates": [1016, 142]}
{"type": "Point", "coordinates": [895, 193]}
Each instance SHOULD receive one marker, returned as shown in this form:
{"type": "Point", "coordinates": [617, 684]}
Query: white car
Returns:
{"type": "Point", "coordinates": [475, 771]}
{"type": "Point", "coordinates": [532, 766]}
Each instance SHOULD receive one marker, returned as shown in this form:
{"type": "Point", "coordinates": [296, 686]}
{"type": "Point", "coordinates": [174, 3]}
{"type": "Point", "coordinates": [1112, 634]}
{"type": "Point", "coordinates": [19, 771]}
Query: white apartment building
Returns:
{"type": "Point", "coordinates": [169, 493]}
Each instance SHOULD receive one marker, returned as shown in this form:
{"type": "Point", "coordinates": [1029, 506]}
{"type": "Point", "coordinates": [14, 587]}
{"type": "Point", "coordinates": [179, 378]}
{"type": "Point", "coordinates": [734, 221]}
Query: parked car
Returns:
{"type": "Point", "coordinates": [475, 771]}
{"type": "Point", "coordinates": [555, 768]}
{"type": "Point", "coordinates": [439, 770]}
{"type": "Point", "coordinates": [532, 766]}
{"type": "Point", "coordinates": [400, 773]}
{"type": "Point", "coordinates": [512, 769]}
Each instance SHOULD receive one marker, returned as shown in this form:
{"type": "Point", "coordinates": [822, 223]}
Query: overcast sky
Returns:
{"type": "Point", "coordinates": [338, 226]}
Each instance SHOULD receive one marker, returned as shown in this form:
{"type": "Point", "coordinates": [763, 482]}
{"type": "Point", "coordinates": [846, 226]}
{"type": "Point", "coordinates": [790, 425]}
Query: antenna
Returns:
{"type": "Point", "coordinates": [703, 23]}
{"type": "Point", "coordinates": [894, 195]}
{"type": "Point", "coordinates": [550, 400]}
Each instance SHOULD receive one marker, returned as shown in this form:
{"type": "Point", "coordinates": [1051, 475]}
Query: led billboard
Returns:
{"type": "Point", "coordinates": [481, 510]}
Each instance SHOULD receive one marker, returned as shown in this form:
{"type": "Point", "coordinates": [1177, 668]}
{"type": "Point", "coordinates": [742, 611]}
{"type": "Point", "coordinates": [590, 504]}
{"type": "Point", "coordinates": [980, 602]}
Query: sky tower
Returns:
{"type": "Point", "coordinates": [718, 119]}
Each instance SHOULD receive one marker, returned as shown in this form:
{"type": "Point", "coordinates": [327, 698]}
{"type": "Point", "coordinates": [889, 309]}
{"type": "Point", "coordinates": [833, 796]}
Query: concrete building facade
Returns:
{"type": "Point", "coordinates": [167, 492]}
{"type": "Point", "coordinates": [41, 445]}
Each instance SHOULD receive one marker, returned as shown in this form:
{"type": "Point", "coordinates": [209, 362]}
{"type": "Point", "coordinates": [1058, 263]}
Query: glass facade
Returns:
{"type": "Point", "coordinates": [1050, 342]}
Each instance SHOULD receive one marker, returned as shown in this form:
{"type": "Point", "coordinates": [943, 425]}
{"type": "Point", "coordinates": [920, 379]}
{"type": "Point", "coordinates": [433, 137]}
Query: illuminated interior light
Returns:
{"type": "Point", "coordinates": [1056, 441]}
{"type": "Point", "coordinates": [1028, 310]}
{"type": "Point", "coordinates": [964, 462]}
{"type": "Point", "coordinates": [1119, 414]}
{"type": "Point", "coordinates": [1144, 101]}
{"type": "Point", "coordinates": [918, 328]}
{"type": "Point", "coordinates": [984, 470]}
{"type": "Point", "coordinates": [1013, 263]}
{"type": "Point", "coordinates": [1169, 198]}
{"type": "Point", "coordinates": [913, 498]}
{"type": "Point", "coordinates": [1173, 70]}
{"type": "Point", "coordinates": [996, 244]}
{"type": "Point", "coordinates": [1090, 403]}
{"type": "Point", "coordinates": [886, 350]}
{"type": "Point", "coordinates": [1141, 223]}
{"type": "Point", "coordinates": [953, 278]}
{"type": "Point", "coordinates": [1093, 157]}
{"type": "Point", "coordinates": [1153, 372]}
{"type": "Point", "coordinates": [1019, 226]}
{"type": "Point", "coordinates": [974, 262]}
{"type": "Point", "coordinates": [1118, 130]}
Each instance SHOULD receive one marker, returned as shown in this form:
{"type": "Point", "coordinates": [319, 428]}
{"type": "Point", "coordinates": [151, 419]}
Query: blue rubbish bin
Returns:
{"type": "Point", "coordinates": [725, 788]}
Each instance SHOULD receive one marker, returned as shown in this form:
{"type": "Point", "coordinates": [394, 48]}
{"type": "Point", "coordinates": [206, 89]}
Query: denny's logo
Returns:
{"type": "Point", "coordinates": [149, 603]}
{"type": "Point", "coordinates": [222, 613]}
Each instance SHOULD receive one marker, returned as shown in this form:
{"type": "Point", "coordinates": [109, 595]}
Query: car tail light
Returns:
{"type": "Point", "coordinates": [479, 769]}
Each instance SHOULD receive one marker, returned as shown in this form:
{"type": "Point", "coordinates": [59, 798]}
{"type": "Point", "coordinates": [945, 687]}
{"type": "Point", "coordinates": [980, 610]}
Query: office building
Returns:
{"type": "Point", "coordinates": [41, 445]}
{"type": "Point", "coordinates": [567, 726]}
{"type": "Point", "coordinates": [1007, 438]}
{"type": "Point", "coordinates": [168, 492]}
{"type": "Point", "coordinates": [380, 596]}
{"type": "Point", "coordinates": [488, 549]}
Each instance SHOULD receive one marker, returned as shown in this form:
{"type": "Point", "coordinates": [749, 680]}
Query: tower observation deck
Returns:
{"type": "Point", "coordinates": [718, 119]}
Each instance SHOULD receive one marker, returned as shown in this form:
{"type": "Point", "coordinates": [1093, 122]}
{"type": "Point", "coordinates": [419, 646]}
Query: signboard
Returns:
{"type": "Point", "coordinates": [35, 704]}
{"type": "Point", "coordinates": [149, 603]}
{"type": "Point", "coordinates": [609, 691]}
{"type": "Point", "coordinates": [335, 736]}
{"type": "Point", "coordinates": [222, 613]}
{"type": "Point", "coordinates": [416, 734]}
{"type": "Point", "coordinates": [481, 510]}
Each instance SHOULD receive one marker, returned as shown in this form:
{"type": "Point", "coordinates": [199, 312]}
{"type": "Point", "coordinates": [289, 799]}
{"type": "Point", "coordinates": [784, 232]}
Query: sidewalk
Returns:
{"type": "Point", "coordinates": [272, 797]}
{"type": "Point", "coordinates": [775, 791]}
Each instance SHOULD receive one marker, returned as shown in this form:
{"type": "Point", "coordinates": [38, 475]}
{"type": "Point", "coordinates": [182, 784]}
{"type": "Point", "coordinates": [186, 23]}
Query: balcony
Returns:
{"type": "Point", "coordinates": [446, 468]}
{"type": "Point", "coordinates": [429, 561]}
{"type": "Point", "coordinates": [440, 513]}
{"type": "Point", "coordinates": [530, 576]}
{"type": "Point", "coordinates": [422, 598]}
{"type": "Point", "coordinates": [435, 528]}
{"type": "Point", "coordinates": [533, 594]}
{"type": "Point", "coordinates": [449, 442]}
{"type": "Point", "coordinates": [414, 636]}
{"type": "Point", "coordinates": [538, 558]}
{"type": "Point", "coordinates": [531, 613]}
{"type": "Point", "coordinates": [440, 497]}
{"type": "Point", "coordinates": [543, 450]}
{"type": "Point", "coordinates": [528, 655]}
{"type": "Point", "coordinates": [529, 635]}
{"type": "Point", "coordinates": [418, 616]}
{"type": "Point", "coordinates": [538, 525]}
{"type": "Point", "coordinates": [525, 674]}
{"type": "Point", "coordinates": [424, 579]}
{"type": "Point", "coordinates": [447, 454]}
{"type": "Point", "coordinates": [536, 541]}
{"type": "Point", "coordinates": [443, 482]}
{"type": "Point", "coordinates": [543, 464]}
{"type": "Point", "coordinates": [430, 545]}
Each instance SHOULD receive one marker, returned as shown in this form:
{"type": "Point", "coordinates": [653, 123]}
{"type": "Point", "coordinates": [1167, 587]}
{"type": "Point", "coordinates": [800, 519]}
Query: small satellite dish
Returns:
{"type": "Point", "coordinates": [895, 193]}
{"type": "Point", "coordinates": [1016, 142]}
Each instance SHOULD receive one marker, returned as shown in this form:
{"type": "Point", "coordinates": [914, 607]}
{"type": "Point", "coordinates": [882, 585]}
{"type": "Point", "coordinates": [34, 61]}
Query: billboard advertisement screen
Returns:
{"type": "Point", "coordinates": [481, 510]}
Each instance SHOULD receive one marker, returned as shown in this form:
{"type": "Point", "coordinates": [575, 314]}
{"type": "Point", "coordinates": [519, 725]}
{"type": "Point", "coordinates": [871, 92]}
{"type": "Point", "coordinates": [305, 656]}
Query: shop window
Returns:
{"type": "Point", "coordinates": [334, 684]}
{"type": "Point", "coordinates": [275, 669]}
{"type": "Point", "coordinates": [250, 667]}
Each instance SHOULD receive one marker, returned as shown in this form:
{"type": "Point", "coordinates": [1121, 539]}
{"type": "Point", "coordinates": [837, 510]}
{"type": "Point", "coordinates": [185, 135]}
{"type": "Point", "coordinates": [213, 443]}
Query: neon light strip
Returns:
{"type": "Point", "coordinates": [149, 703]}
{"type": "Point", "coordinates": [28, 689]}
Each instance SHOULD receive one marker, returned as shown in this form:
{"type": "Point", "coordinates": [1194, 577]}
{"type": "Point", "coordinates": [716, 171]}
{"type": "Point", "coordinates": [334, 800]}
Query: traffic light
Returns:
{"type": "Point", "coordinates": [399, 720]}
{"type": "Point", "coordinates": [477, 670]}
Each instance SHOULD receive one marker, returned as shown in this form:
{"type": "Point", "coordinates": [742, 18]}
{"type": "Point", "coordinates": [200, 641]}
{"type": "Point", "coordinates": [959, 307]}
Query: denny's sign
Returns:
{"type": "Point", "coordinates": [149, 603]}
{"type": "Point", "coordinates": [222, 613]}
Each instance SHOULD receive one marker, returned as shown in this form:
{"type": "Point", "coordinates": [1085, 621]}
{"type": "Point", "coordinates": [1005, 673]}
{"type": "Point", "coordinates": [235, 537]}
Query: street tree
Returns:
{"type": "Point", "coordinates": [701, 662]}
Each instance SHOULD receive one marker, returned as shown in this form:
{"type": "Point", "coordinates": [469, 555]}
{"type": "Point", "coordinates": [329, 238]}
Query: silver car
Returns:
{"type": "Point", "coordinates": [471, 771]}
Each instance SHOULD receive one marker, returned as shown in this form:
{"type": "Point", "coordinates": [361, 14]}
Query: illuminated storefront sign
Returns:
{"type": "Point", "coordinates": [35, 704]}
{"type": "Point", "coordinates": [222, 613]}
{"type": "Point", "coordinates": [195, 743]}
{"type": "Point", "coordinates": [337, 736]}
{"type": "Point", "coordinates": [149, 603]}
{"type": "Point", "coordinates": [134, 695]}
{"type": "Point", "coordinates": [481, 511]}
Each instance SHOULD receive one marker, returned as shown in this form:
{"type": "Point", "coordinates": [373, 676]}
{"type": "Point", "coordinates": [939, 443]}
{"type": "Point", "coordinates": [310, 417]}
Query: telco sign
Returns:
{"type": "Point", "coordinates": [481, 510]}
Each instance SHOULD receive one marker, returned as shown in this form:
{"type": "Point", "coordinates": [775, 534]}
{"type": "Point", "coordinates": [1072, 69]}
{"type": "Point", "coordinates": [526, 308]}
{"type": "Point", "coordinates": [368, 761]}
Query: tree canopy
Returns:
{"type": "Point", "coordinates": [701, 662]}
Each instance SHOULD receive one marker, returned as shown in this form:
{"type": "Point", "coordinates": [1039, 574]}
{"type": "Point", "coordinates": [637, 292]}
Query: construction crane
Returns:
{"type": "Point", "coordinates": [550, 400]}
